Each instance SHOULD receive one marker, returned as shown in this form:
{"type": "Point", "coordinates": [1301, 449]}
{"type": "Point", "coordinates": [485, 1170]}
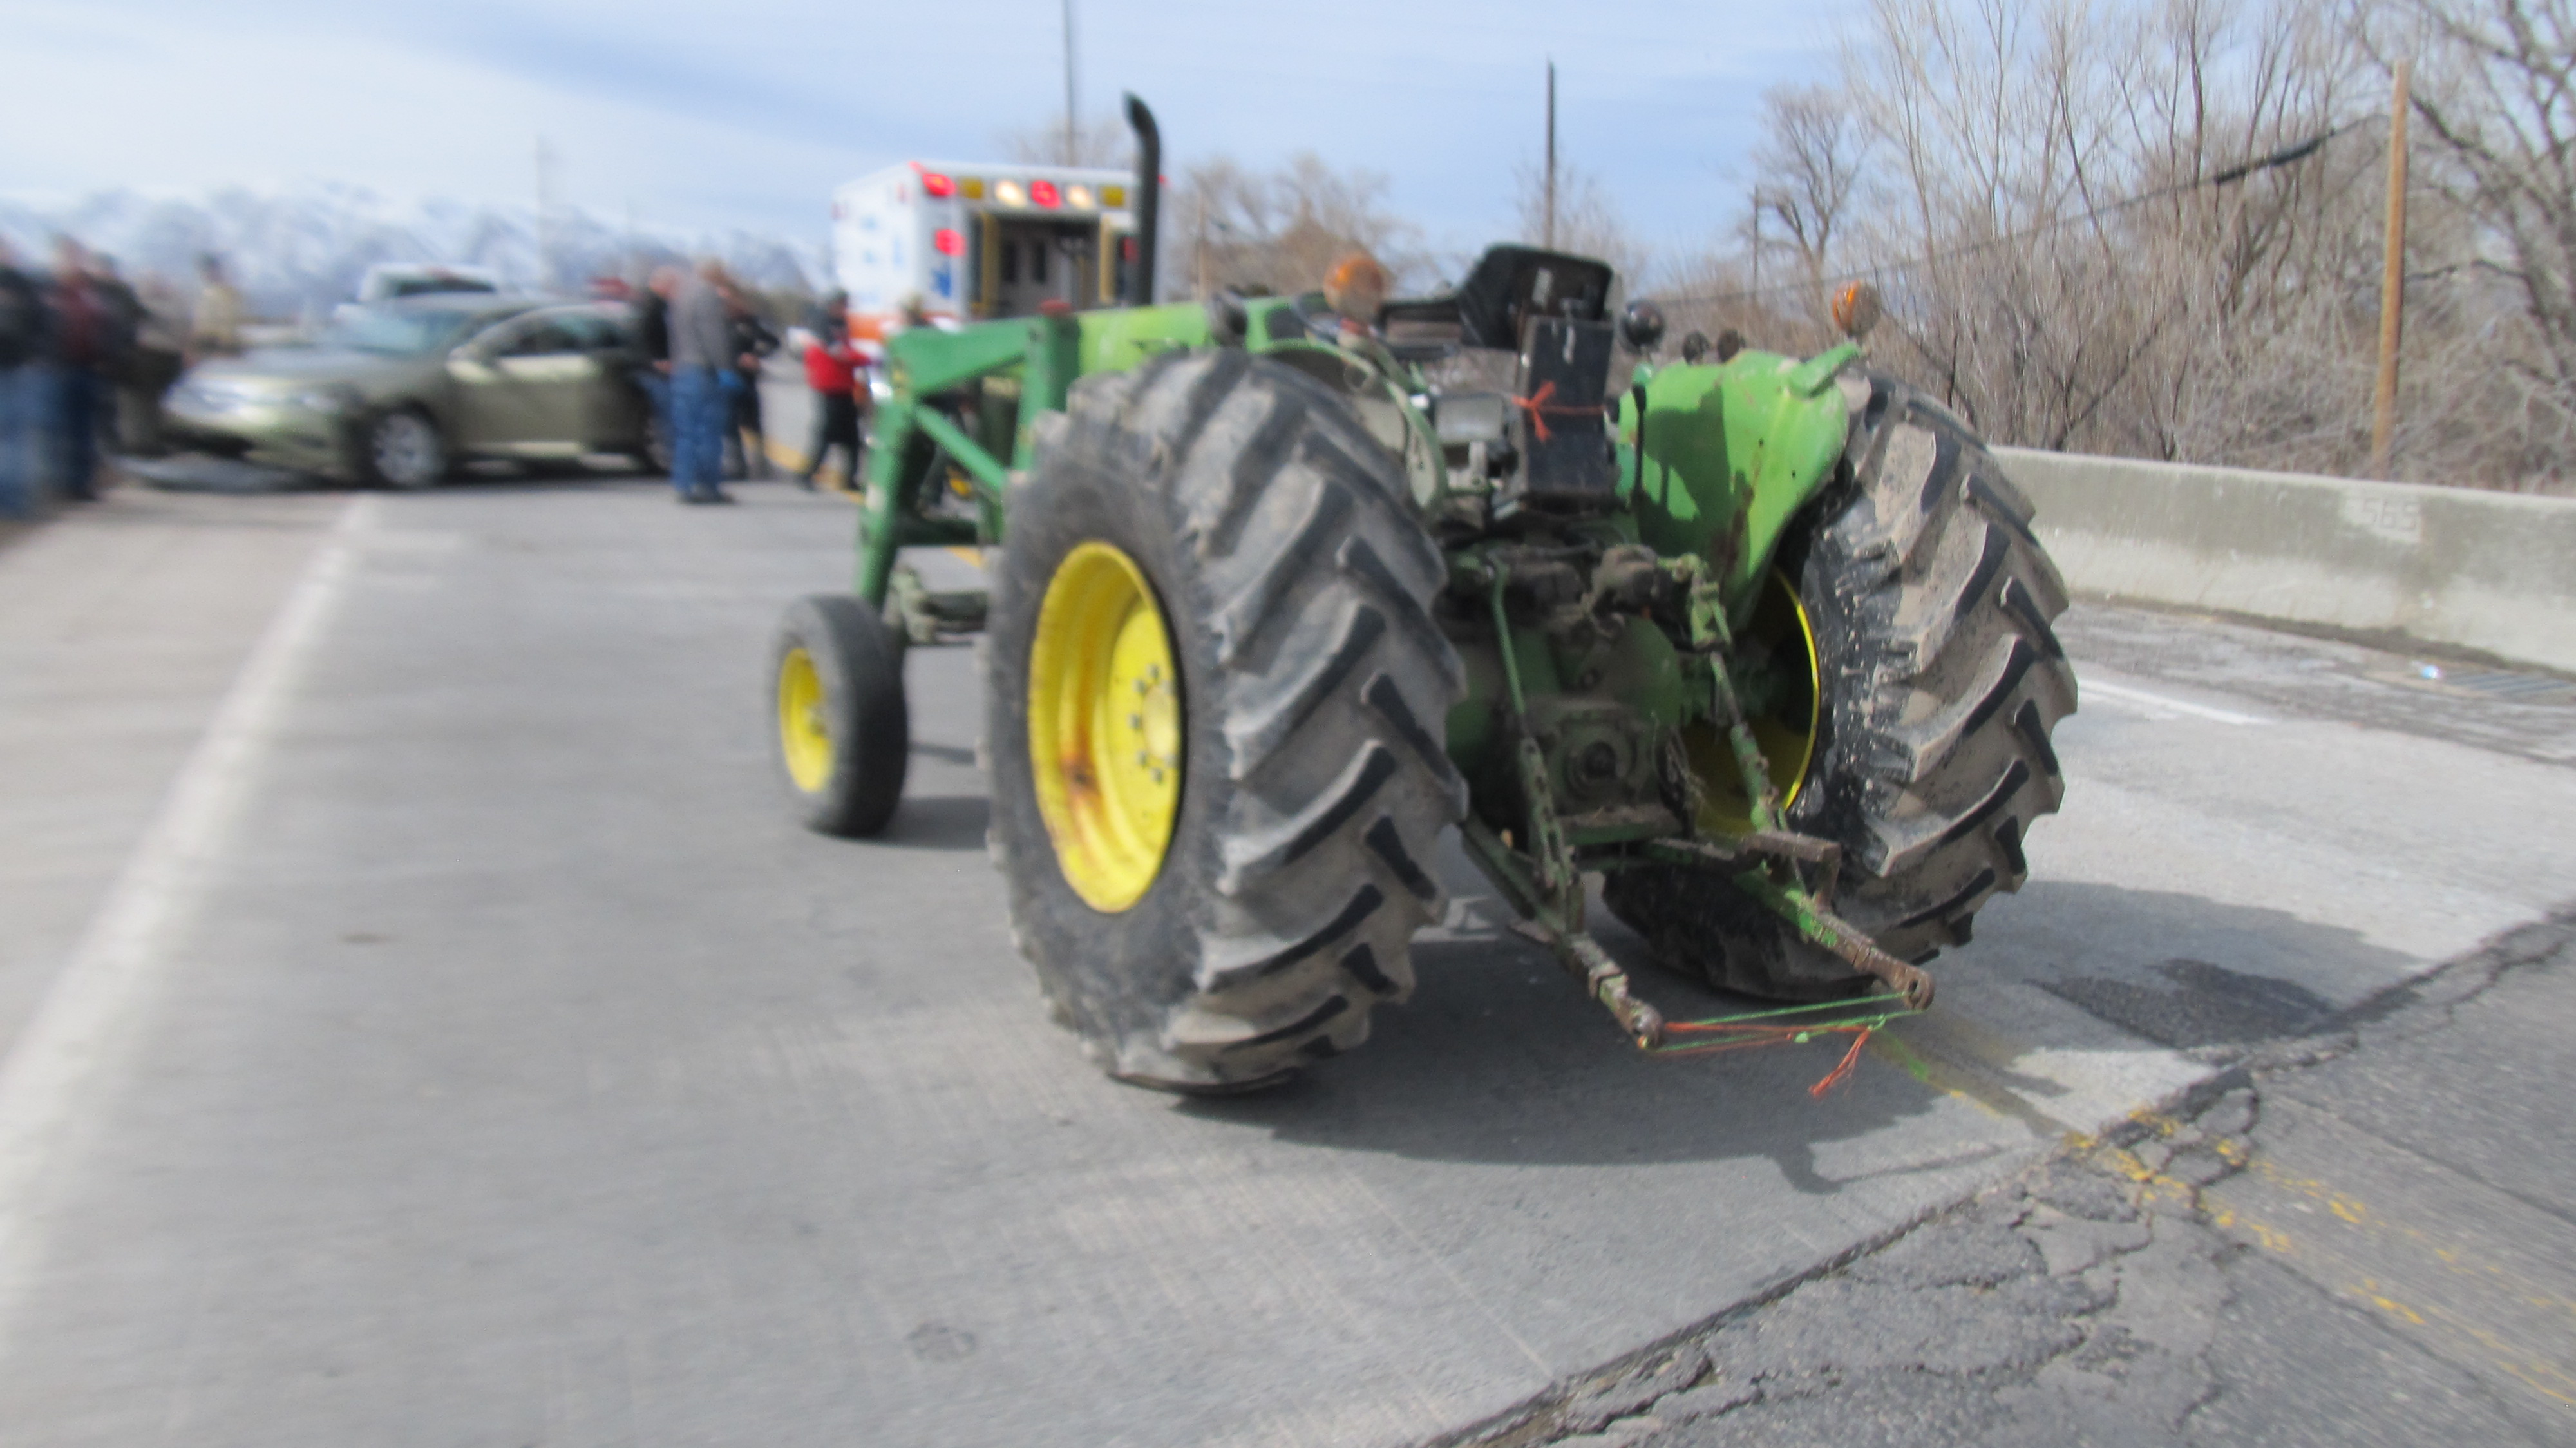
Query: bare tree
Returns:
{"type": "Point", "coordinates": [2076, 252]}
{"type": "Point", "coordinates": [2152, 227]}
{"type": "Point", "coordinates": [1100, 140]}
{"type": "Point", "coordinates": [2495, 84]}
{"type": "Point", "coordinates": [1280, 231]}
{"type": "Point", "coordinates": [1588, 222]}
{"type": "Point", "coordinates": [1809, 164]}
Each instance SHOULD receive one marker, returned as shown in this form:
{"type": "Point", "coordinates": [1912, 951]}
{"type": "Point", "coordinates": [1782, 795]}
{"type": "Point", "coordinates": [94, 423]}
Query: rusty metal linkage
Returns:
{"type": "Point", "coordinates": [1792, 874]}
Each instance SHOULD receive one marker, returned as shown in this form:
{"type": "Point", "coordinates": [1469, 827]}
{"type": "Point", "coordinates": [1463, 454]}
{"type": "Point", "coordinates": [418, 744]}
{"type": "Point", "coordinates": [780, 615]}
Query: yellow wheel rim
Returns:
{"type": "Point", "coordinates": [1105, 732]}
{"type": "Point", "coordinates": [804, 733]}
{"type": "Point", "coordinates": [1786, 731]}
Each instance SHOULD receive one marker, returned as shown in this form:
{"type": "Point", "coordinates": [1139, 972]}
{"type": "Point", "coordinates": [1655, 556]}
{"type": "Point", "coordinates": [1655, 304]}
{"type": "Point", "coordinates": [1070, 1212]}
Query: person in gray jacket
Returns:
{"type": "Point", "coordinates": [701, 346]}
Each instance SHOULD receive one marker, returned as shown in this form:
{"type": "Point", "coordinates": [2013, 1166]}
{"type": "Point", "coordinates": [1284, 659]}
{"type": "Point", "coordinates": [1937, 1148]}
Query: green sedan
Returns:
{"type": "Point", "coordinates": [403, 392]}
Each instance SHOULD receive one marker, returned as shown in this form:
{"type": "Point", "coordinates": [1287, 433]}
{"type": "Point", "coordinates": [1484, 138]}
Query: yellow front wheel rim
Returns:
{"type": "Point", "coordinates": [1105, 726]}
{"type": "Point", "coordinates": [804, 733]}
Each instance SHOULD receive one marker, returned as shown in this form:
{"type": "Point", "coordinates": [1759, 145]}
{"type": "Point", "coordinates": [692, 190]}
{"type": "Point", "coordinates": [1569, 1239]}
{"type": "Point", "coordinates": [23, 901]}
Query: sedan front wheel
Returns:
{"type": "Point", "coordinates": [404, 450]}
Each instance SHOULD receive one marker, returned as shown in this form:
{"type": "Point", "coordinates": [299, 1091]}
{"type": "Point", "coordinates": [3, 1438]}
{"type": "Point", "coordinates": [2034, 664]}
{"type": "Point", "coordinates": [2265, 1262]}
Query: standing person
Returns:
{"type": "Point", "coordinates": [83, 351]}
{"type": "Point", "coordinates": [653, 344]}
{"type": "Point", "coordinates": [746, 444]}
{"type": "Point", "coordinates": [215, 330]}
{"type": "Point", "coordinates": [22, 378]}
{"type": "Point", "coordinates": [160, 354]}
{"type": "Point", "coordinates": [824, 313]}
{"type": "Point", "coordinates": [833, 372]}
{"type": "Point", "coordinates": [116, 370]}
{"type": "Point", "coordinates": [701, 353]}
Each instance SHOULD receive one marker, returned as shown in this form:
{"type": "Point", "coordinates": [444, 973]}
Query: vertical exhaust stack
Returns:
{"type": "Point", "coordinates": [1149, 202]}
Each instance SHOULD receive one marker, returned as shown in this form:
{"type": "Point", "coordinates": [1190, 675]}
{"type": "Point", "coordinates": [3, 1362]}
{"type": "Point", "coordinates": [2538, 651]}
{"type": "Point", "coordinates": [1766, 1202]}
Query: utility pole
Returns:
{"type": "Point", "coordinates": [1070, 158]}
{"type": "Point", "coordinates": [1756, 297]}
{"type": "Point", "coordinates": [545, 243]}
{"type": "Point", "coordinates": [2392, 283]}
{"type": "Point", "coordinates": [1548, 212]}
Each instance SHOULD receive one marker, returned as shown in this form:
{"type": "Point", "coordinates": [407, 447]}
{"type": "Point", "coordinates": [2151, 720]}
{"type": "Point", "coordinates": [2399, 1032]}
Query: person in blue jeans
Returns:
{"type": "Point", "coordinates": [652, 323]}
{"type": "Point", "coordinates": [84, 354]}
{"type": "Point", "coordinates": [701, 350]}
{"type": "Point", "coordinates": [22, 379]}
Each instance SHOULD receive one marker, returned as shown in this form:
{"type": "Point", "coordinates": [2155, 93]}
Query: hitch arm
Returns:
{"type": "Point", "coordinates": [1582, 957]}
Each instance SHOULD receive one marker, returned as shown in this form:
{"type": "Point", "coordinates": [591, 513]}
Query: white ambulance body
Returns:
{"type": "Point", "coordinates": [974, 242]}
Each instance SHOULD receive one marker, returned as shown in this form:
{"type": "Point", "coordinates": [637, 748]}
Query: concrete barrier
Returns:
{"type": "Point", "coordinates": [2495, 572]}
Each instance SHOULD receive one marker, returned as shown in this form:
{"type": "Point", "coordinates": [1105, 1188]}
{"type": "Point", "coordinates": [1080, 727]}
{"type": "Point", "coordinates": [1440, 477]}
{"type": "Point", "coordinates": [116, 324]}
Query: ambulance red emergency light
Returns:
{"type": "Point", "coordinates": [975, 242]}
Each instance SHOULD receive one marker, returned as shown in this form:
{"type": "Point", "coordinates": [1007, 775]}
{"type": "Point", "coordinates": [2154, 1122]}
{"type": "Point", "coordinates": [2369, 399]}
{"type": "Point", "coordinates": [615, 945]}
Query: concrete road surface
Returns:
{"type": "Point", "coordinates": [426, 1026]}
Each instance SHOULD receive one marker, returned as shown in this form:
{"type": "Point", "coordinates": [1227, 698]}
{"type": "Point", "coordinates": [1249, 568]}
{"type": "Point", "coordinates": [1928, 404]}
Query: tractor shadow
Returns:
{"type": "Point", "coordinates": [1499, 1059]}
{"type": "Point", "coordinates": [939, 822]}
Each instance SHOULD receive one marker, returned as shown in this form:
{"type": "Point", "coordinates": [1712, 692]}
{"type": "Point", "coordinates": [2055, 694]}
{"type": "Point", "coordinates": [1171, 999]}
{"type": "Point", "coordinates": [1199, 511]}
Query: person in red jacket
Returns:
{"type": "Point", "coordinates": [836, 371]}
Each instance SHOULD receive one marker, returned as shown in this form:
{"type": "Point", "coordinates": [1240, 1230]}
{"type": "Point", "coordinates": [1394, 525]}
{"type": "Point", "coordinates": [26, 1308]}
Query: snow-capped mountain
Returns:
{"type": "Point", "coordinates": [297, 254]}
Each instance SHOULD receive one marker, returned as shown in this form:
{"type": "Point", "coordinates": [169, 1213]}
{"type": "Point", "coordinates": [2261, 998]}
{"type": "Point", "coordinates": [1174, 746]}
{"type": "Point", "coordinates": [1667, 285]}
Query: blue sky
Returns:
{"type": "Point", "coordinates": [709, 117]}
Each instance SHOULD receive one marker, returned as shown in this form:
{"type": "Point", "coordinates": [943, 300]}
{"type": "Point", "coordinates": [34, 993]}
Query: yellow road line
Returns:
{"type": "Point", "coordinates": [831, 480]}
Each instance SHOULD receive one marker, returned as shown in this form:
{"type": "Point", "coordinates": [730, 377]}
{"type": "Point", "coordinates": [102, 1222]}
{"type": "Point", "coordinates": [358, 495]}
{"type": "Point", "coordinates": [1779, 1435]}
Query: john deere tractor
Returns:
{"type": "Point", "coordinates": [1762, 643]}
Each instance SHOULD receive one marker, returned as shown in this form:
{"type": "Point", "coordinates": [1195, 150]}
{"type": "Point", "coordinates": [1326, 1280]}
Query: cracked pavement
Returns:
{"type": "Point", "coordinates": [428, 1029]}
{"type": "Point", "coordinates": [2351, 1236]}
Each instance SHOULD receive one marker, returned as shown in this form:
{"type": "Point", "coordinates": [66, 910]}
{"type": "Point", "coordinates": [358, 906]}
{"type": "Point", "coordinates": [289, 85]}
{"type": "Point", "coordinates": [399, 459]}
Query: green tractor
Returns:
{"type": "Point", "coordinates": [1764, 643]}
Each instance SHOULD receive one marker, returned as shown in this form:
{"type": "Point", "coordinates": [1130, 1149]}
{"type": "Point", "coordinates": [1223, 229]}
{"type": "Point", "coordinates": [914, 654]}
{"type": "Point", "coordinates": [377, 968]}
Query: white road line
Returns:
{"type": "Point", "coordinates": [78, 1035]}
{"type": "Point", "coordinates": [2178, 706]}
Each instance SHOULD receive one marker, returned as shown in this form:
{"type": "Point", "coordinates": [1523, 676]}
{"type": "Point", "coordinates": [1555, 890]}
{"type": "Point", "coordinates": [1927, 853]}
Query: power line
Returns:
{"type": "Point", "coordinates": [2287, 155]}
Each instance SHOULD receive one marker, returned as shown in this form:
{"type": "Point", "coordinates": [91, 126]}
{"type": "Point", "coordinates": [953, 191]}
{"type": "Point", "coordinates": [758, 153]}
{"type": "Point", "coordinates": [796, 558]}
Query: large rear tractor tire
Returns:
{"type": "Point", "coordinates": [1930, 603]}
{"type": "Point", "coordinates": [844, 732]}
{"type": "Point", "coordinates": [1215, 705]}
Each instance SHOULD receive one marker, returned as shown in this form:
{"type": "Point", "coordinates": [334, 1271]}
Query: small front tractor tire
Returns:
{"type": "Point", "coordinates": [1930, 603]}
{"type": "Point", "coordinates": [1215, 701]}
{"type": "Point", "coordinates": [844, 733]}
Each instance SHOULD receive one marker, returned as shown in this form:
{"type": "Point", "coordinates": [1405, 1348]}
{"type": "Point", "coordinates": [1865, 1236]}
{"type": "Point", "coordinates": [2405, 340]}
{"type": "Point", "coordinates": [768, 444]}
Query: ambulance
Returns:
{"type": "Point", "coordinates": [975, 242]}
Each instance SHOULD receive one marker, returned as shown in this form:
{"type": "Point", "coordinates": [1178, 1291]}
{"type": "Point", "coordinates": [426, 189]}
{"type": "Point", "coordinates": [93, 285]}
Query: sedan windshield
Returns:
{"type": "Point", "coordinates": [397, 334]}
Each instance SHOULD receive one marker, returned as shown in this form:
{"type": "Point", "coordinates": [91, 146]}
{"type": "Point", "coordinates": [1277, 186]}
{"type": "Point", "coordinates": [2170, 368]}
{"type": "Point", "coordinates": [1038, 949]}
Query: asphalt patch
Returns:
{"type": "Point", "coordinates": [2209, 1005]}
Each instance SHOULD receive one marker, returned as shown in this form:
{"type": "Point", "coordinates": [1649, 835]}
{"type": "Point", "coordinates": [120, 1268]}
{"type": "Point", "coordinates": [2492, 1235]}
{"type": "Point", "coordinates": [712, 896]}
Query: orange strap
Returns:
{"type": "Point", "coordinates": [1842, 1072]}
{"type": "Point", "coordinates": [1538, 407]}
{"type": "Point", "coordinates": [1734, 1037]}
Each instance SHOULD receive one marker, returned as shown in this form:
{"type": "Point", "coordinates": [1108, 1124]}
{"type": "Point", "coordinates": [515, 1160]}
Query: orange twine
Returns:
{"type": "Point", "coordinates": [1742, 1036]}
{"type": "Point", "coordinates": [1538, 407]}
